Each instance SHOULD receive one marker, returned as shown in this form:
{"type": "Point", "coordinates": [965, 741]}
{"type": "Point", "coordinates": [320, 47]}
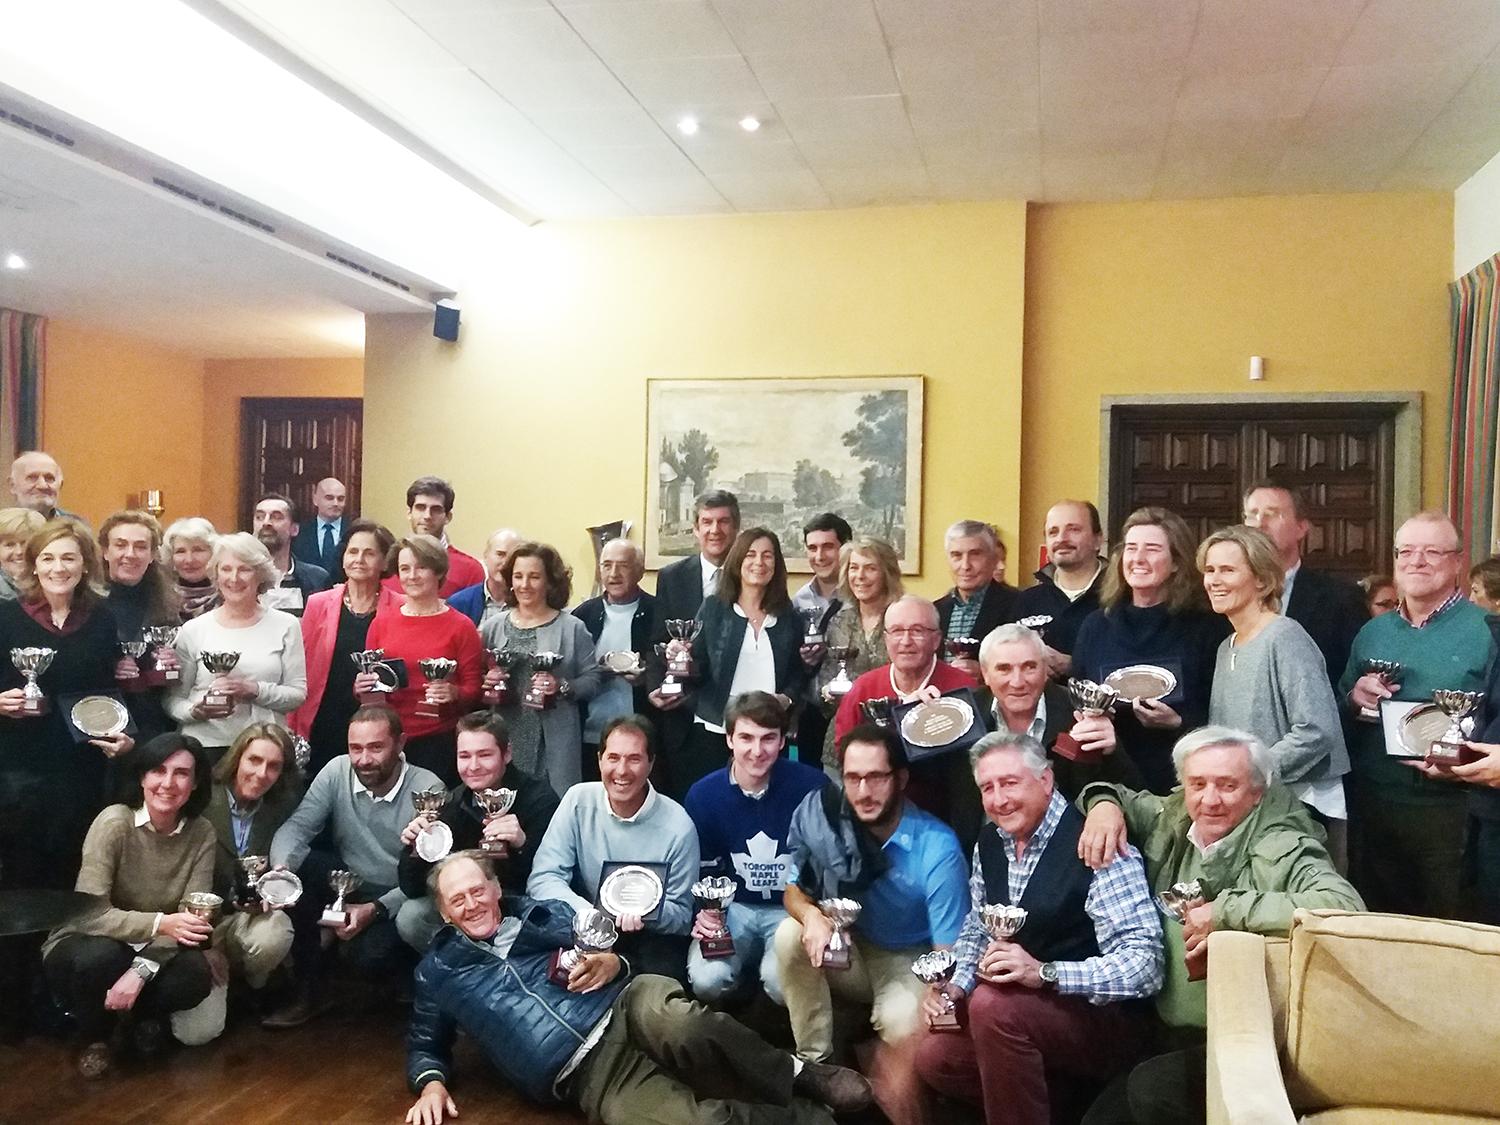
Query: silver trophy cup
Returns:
{"type": "Point", "coordinates": [1093, 700]}
{"type": "Point", "coordinates": [1460, 706]}
{"type": "Point", "coordinates": [343, 884]}
{"type": "Point", "coordinates": [31, 663]}
{"type": "Point", "coordinates": [843, 913]}
{"type": "Point", "coordinates": [593, 932]}
{"type": "Point", "coordinates": [436, 669]}
{"type": "Point", "coordinates": [219, 664]}
{"type": "Point", "coordinates": [1390, 672]}
{"type": "Point", "coordinates": [715, 892]}
{"type": "Point", "coordinates": [534, 697]}
{"type": "Point", "coordinates": [163, 638]}
{"type": "Point", "coordinates": [842, 683]}
{"type": "Point", "coordinates": [504, 661]}
{"type": "Point", "coordinates": [495, 803]}
{"type": "Point", "coordinates": [1175, 902]}
{"type": "Point", "coordinates": [1002, 921]}
{"type": "Point", "coordinates": [936, 969]}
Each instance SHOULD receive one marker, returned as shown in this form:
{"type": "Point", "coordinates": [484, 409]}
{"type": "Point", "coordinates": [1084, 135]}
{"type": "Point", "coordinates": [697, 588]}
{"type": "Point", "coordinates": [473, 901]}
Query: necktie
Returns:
{"type": "Point", "coordinates": [328, 545]}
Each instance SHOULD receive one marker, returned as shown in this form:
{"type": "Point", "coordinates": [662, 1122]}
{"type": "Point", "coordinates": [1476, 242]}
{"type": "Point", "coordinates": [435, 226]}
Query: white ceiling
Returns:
{"type": "Point", "coordinates": [108, 251]}
{"type": "Point", "coordinates": [570, 106]}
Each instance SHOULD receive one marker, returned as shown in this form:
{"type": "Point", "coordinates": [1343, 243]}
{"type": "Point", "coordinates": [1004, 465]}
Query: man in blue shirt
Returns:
{"type": "Point", "coordinates": [743, 813]}
{"type": "Point", "coordinates": [903, 865]}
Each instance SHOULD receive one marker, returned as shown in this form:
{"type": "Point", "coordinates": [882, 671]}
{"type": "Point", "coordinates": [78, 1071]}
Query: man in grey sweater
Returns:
{"type": "Point", "coordinates": [364, 801]}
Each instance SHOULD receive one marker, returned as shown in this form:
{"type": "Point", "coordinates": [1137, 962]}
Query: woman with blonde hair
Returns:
{"type": "Point", "coordinates": [186, 548]}
{"type": "Point", "coordinates": [17, 526]}
{"type": "Point", "coordinates": [1269, 677]}
{"type": "Point", "coordinates": [1152, 611]}
{"type": "Point", "coordinates": [269, 675]}
{"type": "Point", "coordinates": [869, 581]}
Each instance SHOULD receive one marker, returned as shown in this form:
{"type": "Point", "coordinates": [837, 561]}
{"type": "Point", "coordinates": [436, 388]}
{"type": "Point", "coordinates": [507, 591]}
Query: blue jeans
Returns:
{"type": "Point", "coordinates": [753, 928]}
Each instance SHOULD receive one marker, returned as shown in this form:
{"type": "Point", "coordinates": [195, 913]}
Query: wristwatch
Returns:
{"type": "Point", "coordinates": [1049, 974]}
{"type": "Point", "coordinates": [145, 968]}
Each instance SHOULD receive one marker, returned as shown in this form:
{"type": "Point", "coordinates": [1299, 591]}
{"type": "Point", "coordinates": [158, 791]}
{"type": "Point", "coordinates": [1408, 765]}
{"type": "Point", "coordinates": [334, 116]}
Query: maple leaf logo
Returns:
{"type": "Point", "coordinates": [763, 868]}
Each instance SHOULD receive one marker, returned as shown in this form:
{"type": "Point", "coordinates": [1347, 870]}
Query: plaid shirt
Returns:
{"type": "Point", "coordinates": [1128, 929]}
{"type": "Point", "coordinates": [1453, 599]}
{"type": "Point", "coordinates": [965, 614]}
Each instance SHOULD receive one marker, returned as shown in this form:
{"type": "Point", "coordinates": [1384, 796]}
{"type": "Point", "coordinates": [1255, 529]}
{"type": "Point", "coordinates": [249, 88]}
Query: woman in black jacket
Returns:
{"type": "Point", "coordinates": [750, 640]}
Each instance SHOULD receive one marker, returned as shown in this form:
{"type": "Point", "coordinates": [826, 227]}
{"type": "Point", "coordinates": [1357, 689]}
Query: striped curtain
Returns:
{"type": "Point", "coordinates": [1476, 401]}
{"type": "Point", "coordinates": [23, 353]}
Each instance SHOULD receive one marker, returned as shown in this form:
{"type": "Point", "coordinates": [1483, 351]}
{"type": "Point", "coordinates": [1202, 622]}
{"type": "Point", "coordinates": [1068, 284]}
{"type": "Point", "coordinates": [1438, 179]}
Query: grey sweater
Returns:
{"type": "Point", "coordinates": [1276, 688]}
{"type": "Point", "coordinates": [366, 830]}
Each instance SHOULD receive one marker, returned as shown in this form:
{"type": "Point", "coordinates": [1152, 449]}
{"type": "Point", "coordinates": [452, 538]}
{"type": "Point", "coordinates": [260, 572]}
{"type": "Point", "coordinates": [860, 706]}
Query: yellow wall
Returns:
{"type": "Point", "coordinates": [1339, 293]}
{"type": "Point", "coordinates": [122, 415]}
{"type": "Point", "coordinates": [226, 381]}
{"type": "Point", "coordinates": [538, 414]}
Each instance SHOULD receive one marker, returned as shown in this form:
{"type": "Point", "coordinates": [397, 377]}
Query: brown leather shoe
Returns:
{"type": "Point", "coordinates": [301, 1007]}
{"type": "Point", "coordinates": [839, 1088]}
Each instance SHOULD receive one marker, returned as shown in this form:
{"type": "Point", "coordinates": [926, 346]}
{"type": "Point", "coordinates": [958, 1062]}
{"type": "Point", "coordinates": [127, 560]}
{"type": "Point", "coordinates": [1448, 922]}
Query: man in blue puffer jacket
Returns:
{"type": "Point", "coordinates": [623, 1049]}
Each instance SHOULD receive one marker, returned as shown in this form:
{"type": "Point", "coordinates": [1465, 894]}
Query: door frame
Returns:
{"type": "Point", "coordinates": [321, 404]}
{"type": "Point", "coordinates": [1404, 409]}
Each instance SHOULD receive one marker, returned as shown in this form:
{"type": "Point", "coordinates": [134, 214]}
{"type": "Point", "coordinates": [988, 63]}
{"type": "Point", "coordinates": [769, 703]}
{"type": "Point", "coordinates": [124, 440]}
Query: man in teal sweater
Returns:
{"type": "Point", "coordinates": [1407, 831]}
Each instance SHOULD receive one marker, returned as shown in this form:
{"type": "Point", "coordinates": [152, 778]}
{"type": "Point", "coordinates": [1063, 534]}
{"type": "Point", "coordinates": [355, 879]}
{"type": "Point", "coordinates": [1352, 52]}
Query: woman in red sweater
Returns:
{"type": "Point", "coordinates": [425, 627]}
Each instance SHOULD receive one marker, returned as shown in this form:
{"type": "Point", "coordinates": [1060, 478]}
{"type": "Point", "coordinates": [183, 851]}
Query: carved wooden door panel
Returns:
{"type": "Point", "coordinates": [289, 444]}
{"type": "Point", "coordinates": [1197, 460]}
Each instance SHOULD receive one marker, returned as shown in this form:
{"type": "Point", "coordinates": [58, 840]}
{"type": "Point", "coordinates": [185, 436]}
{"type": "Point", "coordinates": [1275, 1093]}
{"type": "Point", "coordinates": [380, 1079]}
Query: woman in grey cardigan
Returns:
{"type": "Point", "coordinates": [1270, 679]}
{"type": "Point", "coordinates": [546, 726]}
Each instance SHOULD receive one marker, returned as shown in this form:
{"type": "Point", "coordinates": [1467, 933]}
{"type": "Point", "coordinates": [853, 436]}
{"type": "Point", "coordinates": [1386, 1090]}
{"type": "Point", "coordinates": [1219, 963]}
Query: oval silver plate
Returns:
{"type": "Point", "coordinates": [938, 723]}
{"type": "Point", "coordinates": [99, 716]}
{"type": "Point", "coordinates": [630, 890]}
{"type": "Point", "coordinates": [279, 888]}
{"type": "Point", "coordinates": [1142, 681]}
{"type": "Point", "coordinates": [621, 662]}
{"type": "Point", "coordinates": [1422, 726]}
{"type": "Point", "coordinates": [434, 842]}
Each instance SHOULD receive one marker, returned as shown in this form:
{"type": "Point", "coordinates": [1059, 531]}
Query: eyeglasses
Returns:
{"type": "Point", "coordinates": [1424, 554]}
{"type": "Point", "coordinates": [915, 632]}
{"type": "Point", "coordinates": [876, 779]}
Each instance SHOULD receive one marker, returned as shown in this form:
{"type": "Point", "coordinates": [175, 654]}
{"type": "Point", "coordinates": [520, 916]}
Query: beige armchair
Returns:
{"type": "Point", "coordinates": [1357, 1019]}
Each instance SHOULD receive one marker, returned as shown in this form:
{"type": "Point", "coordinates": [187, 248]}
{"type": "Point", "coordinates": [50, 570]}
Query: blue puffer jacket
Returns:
{"type": "Point", "coordinates": [527, 1026]}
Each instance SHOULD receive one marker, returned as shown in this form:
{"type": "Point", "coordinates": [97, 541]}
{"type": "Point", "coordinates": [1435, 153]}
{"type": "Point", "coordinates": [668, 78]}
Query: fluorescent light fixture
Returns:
{"type": "Point", "coordinates": [749, 124]}
{"type": "Point", "coordinates": [159, 75]}
{"type": "Point", "coordinates": [687, 126]}
{"type": "Point", "coordinates": [15, 262]}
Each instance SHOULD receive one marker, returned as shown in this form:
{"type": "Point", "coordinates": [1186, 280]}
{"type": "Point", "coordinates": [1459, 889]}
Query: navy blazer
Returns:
{"type": "Point", "coordinates": [469, 601]}
{"type": "Point", "coordinates": [306, 547]}
{"type": "Point", "coordinates": [1332, 610]}
{"type": "Point", "coordinates": [679, 594]}
{"type": "Point", "coordinates": [716, 652]}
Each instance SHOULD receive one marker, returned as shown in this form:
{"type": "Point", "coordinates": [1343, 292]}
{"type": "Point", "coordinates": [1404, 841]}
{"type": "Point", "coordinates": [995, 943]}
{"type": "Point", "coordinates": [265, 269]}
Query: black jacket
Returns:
{"type": "Point", "coordinates": [998, 608]}
{"type": "Point", "coordinates": [679, 594]}
{"type": "Point", "coordinates": [591, 613]}
{"type": "Point", "coordinates": [716, 653]}
{"type": "Point", "coordinates": [306, 547]}
{"type": "Point", "coordinates": [1070, 776]}
{"type": "Point", "coordinates": [1332, 610]}
{"type": "Point", "coordinates": [1067, 613]}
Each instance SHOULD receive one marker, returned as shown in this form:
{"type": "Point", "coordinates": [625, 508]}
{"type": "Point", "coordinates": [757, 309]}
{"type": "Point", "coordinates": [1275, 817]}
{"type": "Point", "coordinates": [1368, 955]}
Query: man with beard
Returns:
{"type": "Point", "coordinates": [360, 803]}
{"type": "Point", "coordinates": [1067, 588]}
{"type": "Point", "coordinates": [429, 510]}
{"type": "Point", "coordinates": [275, 525]}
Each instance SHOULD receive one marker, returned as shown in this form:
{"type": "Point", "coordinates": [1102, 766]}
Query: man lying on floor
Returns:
{"type": "Point", "coordinates": [622, 1048]}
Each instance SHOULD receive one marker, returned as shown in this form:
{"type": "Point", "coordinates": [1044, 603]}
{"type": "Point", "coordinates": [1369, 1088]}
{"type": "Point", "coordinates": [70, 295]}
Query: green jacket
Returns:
{"type": "Point", "coordinates": [1273, 863]}
{"type": "Point", "coordinates": [275, 807]}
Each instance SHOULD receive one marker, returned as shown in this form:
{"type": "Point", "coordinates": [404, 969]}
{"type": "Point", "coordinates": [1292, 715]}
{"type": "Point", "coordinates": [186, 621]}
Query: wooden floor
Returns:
{"type": "Point", "coordinates": [347, 1069]}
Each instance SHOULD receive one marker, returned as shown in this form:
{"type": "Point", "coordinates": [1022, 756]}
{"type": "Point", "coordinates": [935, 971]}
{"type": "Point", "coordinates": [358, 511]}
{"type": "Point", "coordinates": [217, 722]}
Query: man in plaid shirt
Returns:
{"type": "Point", "coordinates": [1056, 998]}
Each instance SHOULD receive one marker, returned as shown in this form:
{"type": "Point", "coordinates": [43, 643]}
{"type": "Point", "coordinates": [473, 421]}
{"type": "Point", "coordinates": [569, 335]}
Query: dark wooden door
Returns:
{"type": "Point", "coordinates": [289, 444]}
{"type": "Point", "coordinates": [1198, 459]}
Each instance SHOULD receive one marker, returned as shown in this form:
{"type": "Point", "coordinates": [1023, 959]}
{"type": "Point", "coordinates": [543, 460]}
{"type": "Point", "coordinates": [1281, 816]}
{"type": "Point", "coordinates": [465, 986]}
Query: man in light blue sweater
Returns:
{"type": "Point", "coordinates": [364, 800]}
{"type": "Point", "coordinates": [618, 820]}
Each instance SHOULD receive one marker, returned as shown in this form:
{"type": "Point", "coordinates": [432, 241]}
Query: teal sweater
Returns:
{"type": "Point", "coordinates": [1452, 651]}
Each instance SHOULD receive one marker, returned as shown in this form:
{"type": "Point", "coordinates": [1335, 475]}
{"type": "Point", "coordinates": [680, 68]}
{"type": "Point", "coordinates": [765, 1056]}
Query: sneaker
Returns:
{"type": "Point", "coordinates": [839, 1088]}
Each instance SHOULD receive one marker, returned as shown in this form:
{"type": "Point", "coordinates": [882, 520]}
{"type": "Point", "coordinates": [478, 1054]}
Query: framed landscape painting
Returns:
{"type": "Point", "coordinates": [789, 449]}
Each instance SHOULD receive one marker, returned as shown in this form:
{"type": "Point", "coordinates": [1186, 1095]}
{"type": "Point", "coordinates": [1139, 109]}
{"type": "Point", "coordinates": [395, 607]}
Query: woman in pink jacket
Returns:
{"type": "Point", "coordinates": [334, 626]}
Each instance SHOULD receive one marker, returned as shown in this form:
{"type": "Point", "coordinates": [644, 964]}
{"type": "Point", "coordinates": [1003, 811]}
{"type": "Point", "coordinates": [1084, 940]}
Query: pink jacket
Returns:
{"type": "Point", "coordinates": [320, 625]}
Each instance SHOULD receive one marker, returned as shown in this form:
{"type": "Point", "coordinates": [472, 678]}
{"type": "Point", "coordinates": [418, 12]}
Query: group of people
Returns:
{"type": "Point", "coordinates": [605, 842]}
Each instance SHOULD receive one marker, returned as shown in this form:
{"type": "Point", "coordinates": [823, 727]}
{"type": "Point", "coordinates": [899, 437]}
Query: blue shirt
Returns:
{"type": "Point", "coordinates": [745, 836]}
{"type": "Point", "coordinates": [923, 898]}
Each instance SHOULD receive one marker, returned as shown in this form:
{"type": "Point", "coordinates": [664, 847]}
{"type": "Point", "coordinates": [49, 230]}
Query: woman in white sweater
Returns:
{"type": "Point", "coordinates": [268, 679]}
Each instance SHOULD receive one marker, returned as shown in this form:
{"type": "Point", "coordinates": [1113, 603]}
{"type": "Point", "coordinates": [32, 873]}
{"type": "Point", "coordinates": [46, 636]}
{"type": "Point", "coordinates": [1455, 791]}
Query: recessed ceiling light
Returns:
{"type": "Point", "coordinates": [15, 262]}
{"type": "Point", "coordinates": [749, 124]}
{"type": "Point", "coordinates": [687, 126]}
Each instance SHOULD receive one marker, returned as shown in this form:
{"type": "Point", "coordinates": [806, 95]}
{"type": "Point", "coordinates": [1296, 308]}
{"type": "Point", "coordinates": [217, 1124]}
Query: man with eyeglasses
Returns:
{"type": "Point", "coordinates": [904, 867]}
{"type": "Point", "coordinates": [1407, 831]}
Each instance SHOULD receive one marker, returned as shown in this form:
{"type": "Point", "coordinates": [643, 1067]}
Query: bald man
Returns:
{"type": "Point", "coordinates": [317, 540]}
{"type": "Point", "coordinates": [486, 599]}
{"type": "Point", "coordinates": [36, 480]}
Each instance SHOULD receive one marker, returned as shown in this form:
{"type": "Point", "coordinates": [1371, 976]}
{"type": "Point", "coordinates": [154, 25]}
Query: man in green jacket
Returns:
{"type": "Point", "coordinates": [1257, 856]}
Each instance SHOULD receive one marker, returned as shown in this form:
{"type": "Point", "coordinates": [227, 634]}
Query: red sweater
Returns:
{"type": "Point", "coordinates": [463, 570]}
{"type": "Point", "coordinates": [411, 639]}
{"type": "Point", "coordinates": [876, 684]}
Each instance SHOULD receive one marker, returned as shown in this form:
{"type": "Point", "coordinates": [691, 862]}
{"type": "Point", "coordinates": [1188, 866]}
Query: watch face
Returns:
{"type": "Point", "coordinates": [1049, 972]}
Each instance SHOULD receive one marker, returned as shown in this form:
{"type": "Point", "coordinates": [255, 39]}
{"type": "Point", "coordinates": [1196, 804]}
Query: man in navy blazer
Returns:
{"type": "Point", "coordinates": [317, 540]}
{"type": "Point", "coordinates": [680, 590]}
{"type": "Point", "coordinates": [1331, 609]}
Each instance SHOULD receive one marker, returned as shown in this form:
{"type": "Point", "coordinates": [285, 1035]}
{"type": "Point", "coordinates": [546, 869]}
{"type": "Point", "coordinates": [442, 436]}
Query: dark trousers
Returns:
{"type": "Point", "coordinates": [1484, 846]}
{"type": "Point", "coordinates": [1408, 858]}
{"type": "Point", "coordinates": [664, 955]}
{"type": "Point", "coordinates": [374, 953]}
{"type": "Point", "coordinates": [82, 968]}
{"type": "Point", "coordinates": [1170, 1088]}
{"type": "Point", "coordinates": [437, 752]}
{"type": "Point", "coordinates": [1019, 1037]}
{"type": "Point", "coordinates": [702, 753]}
{"type": "Point", "coordinates": [665, 1059]}
{"type": "Point", "coordinates": [812, 729]}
